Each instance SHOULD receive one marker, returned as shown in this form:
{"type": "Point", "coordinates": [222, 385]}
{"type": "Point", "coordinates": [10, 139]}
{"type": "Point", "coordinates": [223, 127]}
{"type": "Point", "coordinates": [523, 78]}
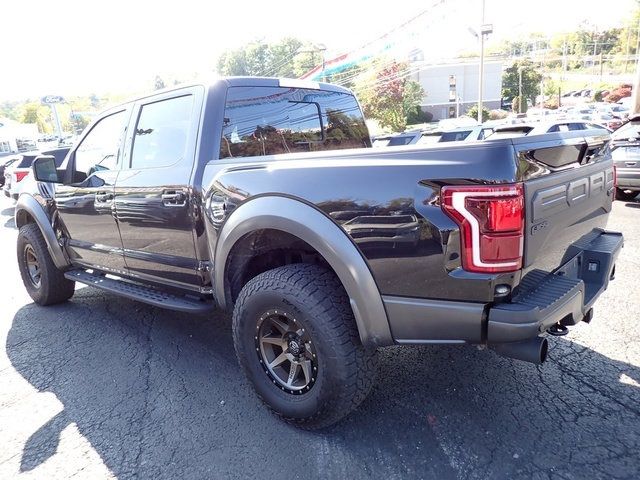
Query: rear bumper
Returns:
{"type": "Point", "coordinates": [628, 178]}
{"type": "Point", "coordinates": [565, 297]}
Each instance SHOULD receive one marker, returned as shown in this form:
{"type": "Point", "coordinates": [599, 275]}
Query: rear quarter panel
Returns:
{"type": "Point", "coordinates": [387, 201]}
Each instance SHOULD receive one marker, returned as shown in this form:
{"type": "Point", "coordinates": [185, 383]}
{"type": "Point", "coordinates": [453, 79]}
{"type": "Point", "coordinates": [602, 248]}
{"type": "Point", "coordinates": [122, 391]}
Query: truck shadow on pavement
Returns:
{"type": "Point", "coordinates": [159, 395]}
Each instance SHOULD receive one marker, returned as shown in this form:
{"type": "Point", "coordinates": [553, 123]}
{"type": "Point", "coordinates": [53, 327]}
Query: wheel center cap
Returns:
{"type": "Point", "coordinates": [294, 347]}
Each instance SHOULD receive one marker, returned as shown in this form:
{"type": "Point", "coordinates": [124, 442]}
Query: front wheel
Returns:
{"type": "Point", "coordinates": [297, 341]}
{"type": "Point", "coordinates": [625, 195]}
{"type": "Point", "coordinates": [44, 282]}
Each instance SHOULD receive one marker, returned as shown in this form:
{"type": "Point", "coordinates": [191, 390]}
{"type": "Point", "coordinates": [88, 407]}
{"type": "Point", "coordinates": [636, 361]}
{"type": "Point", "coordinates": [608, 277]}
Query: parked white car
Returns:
{"type": "Point", "coordinates": [421, 137]}
{"type": "Point", "coordinates": [510, 131]}
{"type": "Point", "coordinates": [17, 174]}
{"type": "Point", "coordinates": [466, 134]}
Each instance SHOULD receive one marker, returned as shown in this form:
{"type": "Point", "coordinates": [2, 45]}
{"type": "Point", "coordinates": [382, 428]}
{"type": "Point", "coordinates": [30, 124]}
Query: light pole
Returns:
{"type": "Point", "coordinates": [320, 47]}
{"type": "Point", "coordinates": [520, 89]}
{"type": "Point", "coordinates": [485, 29]}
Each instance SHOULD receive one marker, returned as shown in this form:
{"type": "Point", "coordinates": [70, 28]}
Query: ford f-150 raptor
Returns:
{"type": "Point", "coordinates": [261, 196]}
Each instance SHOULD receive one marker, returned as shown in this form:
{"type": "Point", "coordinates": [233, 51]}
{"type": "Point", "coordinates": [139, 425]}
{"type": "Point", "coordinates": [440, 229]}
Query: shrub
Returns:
{"type": "Point", "coordinates": [619, 93]}
{"type": "Point", "coordinates": [473, 112]}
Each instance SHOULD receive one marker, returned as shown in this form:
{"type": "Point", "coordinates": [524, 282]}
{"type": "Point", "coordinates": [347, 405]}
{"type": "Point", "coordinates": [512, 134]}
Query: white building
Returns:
{"type": "Point", "coordinates": [12, 132]}
{"type": "Point", "coordinates": [451, 88]}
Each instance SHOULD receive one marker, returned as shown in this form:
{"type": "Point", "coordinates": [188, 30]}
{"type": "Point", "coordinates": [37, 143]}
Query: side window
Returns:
{"type": "Point", "coordinates": [161, 132]}
{"type": "Point", "coordinates": [100, 148]}
{"type": "Point", "coordinates": [272, 120]}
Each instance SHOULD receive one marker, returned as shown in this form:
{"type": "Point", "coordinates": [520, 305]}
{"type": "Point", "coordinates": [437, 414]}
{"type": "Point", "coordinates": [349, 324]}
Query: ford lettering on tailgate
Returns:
{"type": "Point", "coordinates": [552, 200]}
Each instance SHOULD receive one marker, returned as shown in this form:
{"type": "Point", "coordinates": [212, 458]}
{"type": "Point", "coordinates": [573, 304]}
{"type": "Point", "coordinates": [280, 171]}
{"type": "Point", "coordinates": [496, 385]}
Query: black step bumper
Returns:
{"type": "Point", "coordinates": [566, 296]}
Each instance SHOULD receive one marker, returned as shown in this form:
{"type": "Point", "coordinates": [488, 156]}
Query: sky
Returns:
{"type": "Point", "coordinates": [70, 47]}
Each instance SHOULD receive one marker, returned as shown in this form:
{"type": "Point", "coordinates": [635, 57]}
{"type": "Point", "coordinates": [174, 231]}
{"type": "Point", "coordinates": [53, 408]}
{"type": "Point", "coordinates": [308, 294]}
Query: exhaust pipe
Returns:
{"type": "Point", "coordinates": [533, 350]}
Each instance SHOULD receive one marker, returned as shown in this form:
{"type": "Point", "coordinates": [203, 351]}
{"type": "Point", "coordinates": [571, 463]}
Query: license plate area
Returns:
{"type": "Point", "coordinates": [572, 268]}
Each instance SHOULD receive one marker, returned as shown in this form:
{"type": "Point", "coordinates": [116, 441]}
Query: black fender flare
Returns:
{"type": "Point", "coordinates": [29, 205]}
{"type": "Point", "coordinates": [327, 238]}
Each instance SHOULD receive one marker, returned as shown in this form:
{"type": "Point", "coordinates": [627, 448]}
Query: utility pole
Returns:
{"type": "Point", "coordinates": [601, 65]}
{"type": "Point", "coordinates": [481, 74]}
{"type": "Point", "coordinates": [520, 89]}
{"type": "Point", "coordinates": [626, 54]}
{"type": "Point", "coordinates": [542, 79]}
{"type": "Point", "coordinates": [638, 46]}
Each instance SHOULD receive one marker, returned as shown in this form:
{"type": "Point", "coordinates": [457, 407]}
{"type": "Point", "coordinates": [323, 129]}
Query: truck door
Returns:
{"type": "Point", "coordinates": [153, 194]}
{"type": "Point", "coordinates": [85, 207]}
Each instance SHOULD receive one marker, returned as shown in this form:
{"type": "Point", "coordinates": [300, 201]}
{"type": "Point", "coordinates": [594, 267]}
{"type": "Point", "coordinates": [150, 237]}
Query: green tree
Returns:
{"type": "Point", "coordinates": [347, 77]}
{"type": "Point", "coordinates": [387, 95]}
{"type": "Point", "coordinates": [530, 80]}
{"type": "Point", "coordinates": [307, 59]}
{"type": "Point", "coordinates": [289, 57]}
{"type": "Point", "coordinates": [472, 112]}
{"type": "Point", "coordinates": [35, 112]}
{"type": "Point", "coordinates": [282, 55]}
{"type": "Point", "coordinates": [411, 99]}
{"type": "Point", "coordinates": [233, 62]}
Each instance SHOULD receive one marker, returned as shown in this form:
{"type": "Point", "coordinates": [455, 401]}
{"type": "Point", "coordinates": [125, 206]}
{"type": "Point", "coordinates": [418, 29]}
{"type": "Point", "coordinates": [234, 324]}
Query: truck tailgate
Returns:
{"type": "Point", "coordinates": [569, 190]}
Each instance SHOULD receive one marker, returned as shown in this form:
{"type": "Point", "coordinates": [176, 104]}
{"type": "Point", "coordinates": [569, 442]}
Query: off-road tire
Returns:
{"type": "Point", "coordinates": [53, 286]}
{"type": "Point", "coordinates": [346, 370]}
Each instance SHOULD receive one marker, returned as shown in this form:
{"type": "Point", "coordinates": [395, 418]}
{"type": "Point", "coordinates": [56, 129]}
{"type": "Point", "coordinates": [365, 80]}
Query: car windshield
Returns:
{"type": "Point", "coordinates": [26, 161]}
{"type": "Point", "coordinates": [429, 138]}
{"type": "Point", "coordinates": [507, 134]}
{"type": "Point", "coordinates": [381, 142]}
{"type": "Point", "coordinates": [454, 136]}
{"type": "Point", "coordinates": [629, 131]}
{"type": "Point", "coordinates": [400, 140]}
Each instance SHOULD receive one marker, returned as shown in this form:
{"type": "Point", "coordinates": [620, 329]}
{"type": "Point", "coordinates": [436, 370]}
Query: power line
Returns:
{"type": "Point", "coordinates": [274, 69]}
{"type": "Point", "coordinates": [393, 30]}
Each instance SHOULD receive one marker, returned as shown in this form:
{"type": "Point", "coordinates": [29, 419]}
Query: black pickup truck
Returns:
{"type": "Point", "coordinates": [262, 196]}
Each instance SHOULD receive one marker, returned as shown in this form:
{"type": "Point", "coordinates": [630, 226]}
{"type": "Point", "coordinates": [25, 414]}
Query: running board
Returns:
{"type": "Point", "coordinates": [142, 293]}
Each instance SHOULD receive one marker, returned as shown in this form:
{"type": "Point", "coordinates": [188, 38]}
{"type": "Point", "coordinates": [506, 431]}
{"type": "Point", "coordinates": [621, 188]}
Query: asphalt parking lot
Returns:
{"type": "Point", "coordinates": [104, 387]}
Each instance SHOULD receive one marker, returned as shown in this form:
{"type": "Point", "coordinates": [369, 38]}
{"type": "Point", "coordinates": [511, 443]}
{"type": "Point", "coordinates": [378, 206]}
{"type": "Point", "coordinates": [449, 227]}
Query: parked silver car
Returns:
{"type": "Point", "coordinates": [625, 150]}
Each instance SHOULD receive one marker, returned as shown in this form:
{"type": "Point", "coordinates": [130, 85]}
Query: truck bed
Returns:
{"type": "Point", "coordinates": [566, 198]}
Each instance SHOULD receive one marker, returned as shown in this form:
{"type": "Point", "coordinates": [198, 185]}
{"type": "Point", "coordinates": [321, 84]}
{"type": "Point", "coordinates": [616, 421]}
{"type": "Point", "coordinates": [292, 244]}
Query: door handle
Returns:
{"type": "Point", "coordinates": [173, 198]}
{"type": "Point", "coordinates": [102, 197]}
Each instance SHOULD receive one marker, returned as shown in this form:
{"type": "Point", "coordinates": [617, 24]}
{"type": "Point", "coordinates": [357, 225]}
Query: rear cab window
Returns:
{"type": "Point", "coordinates": [262, 121]}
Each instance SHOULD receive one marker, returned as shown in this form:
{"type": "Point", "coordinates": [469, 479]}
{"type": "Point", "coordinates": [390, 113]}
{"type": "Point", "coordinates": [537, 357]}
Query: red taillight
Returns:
{"type": "Point", "coordinates": [20, 176]}
{"type": "Point", "coordinates": [491, 221]}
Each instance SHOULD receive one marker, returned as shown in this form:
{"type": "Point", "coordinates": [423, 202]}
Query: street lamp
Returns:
{"type": "Point", "coordinates": [520, 89]}
{"type": "Point", "coordinates": [485, 29]}
{"type": "Point", "coordinates": [319, 47]}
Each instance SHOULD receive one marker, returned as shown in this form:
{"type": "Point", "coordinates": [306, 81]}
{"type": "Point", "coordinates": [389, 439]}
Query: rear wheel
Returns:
{"type": "Point", "coordinates": [625, 195]}
{"type": "Point", "coordinates": [296, 339]}
{"type": "Point", "coordinates": [44, 282]}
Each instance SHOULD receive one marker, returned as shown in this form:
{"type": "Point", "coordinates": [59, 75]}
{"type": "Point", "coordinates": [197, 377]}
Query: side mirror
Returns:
{"type": "Point", "coordinates": [44, 169]}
